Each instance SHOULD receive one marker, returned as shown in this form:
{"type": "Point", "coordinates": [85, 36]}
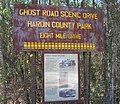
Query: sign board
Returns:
{"type": "Point", "coordinates": [61, 77]}
{"type": "Point", "coordinates": [38, 27]}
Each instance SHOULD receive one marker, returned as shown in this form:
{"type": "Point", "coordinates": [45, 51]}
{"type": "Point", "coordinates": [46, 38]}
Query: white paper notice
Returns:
{"type": "Point", "coordinates": [60, 77]}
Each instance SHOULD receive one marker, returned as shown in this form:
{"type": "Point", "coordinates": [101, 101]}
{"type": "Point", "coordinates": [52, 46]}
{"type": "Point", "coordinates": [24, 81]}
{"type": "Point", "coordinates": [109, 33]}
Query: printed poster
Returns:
{"type": "Point", "coordinates": [61, 77]}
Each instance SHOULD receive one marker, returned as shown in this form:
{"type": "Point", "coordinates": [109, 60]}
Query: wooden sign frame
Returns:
{"type": "Point", "coordinates": [61, 77]}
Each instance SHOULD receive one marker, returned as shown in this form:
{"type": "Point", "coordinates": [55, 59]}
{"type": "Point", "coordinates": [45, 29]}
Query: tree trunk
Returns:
{"type": "Point", "coordinates": [49, 2]}
{"type": "Point", "coordinates": [4, 55]}
{"type": "Point", "coordinates": [34, 1]}
{"type": "Point", "coordinates": [118, 75]}
{"type": "Point", "coordinates": [112, 78]}
{"type": "Point", "coordinates": [107, 57]}
{"type": "Point", "coordinates": [75, 3]}
{"type": "Point", "coordinates": [67, 1]}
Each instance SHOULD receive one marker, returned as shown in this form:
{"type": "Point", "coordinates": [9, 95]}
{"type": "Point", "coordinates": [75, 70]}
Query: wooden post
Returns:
{"type": "Point", "coordinates": [33, 75]}
{"type": "Point", "coordinates": [33, 72]}
{"type": "Point", "coordinates": [86, 79]}
{"type": "Point", "coordinates": [87, 67]}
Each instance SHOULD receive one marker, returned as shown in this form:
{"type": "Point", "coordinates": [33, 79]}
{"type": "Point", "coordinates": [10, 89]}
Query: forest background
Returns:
{"type": "Point", "coordinates": [21, 77]}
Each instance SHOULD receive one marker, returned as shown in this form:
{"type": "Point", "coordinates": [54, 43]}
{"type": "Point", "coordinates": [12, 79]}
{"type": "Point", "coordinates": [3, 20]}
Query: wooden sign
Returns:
{"type": "Point", "coordinates": [38, 27]}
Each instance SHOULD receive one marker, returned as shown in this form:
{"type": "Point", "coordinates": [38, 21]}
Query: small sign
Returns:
{"type": "Point", "coordinates": [61, 77]}
{"type": "Point", "coordinates": [38, 27]}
